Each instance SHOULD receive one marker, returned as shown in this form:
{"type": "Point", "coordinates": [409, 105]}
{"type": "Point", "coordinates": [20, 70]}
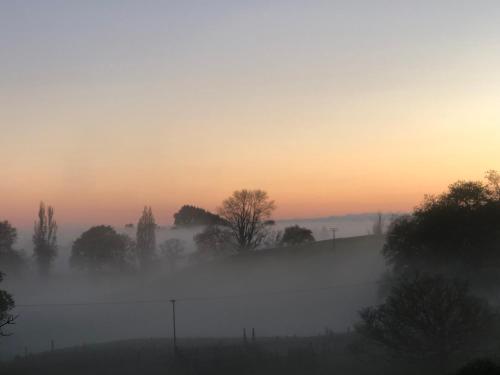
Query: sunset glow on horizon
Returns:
{"type": "Point", "coordinates": [330, 109]}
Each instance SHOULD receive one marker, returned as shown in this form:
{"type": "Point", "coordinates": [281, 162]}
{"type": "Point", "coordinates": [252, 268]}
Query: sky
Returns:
{"type": "Point", "coordinates": [331, 107]}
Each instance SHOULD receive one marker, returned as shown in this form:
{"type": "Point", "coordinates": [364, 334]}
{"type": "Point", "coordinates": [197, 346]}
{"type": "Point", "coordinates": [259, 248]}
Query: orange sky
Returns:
{"type": "Point", "coordinates": [105, 112]}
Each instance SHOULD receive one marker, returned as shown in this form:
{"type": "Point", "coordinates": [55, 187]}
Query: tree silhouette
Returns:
{"type": "Point", "coordinates": [457, 230]}
{"type": "Point", "coordinates": [295, 235]}
{"type": "Point", "coordinates": [6, 305]}
{"type": "Point", "coordinates": [427, 317]}
{"type": "Point", "coordinates": [146, 238]}
{"type": "Point", "coordinates": [45, 239]}
{"type": "Point", "coordinates": [10, 259]}
{"type": "Point", "coordinates": [194, 216]}
{"type": "Point", "coordinates": [246, 212]}
{"type": "Point", "coordinates": [214, 241]}
{"type": "Point", "coordinates": [101, 248]}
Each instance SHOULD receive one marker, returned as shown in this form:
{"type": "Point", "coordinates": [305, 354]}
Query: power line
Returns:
{"type": "Point", "coordinates": [200, 298]}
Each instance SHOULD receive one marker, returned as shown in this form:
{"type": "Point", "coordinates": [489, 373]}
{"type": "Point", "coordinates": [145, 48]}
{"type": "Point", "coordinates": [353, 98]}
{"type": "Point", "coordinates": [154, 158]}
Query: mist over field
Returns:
{"type": "Point", "coordinates": [347, 226]}
{"type": "Point", "coordinates": [295, 187]}
{"type": "Point", "coordinates": [280, 293]}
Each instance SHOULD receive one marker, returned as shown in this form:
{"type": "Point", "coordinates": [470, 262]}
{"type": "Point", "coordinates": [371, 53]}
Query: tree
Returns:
{"type": "Point", "coordinates": [172, 250]}
{"type": "Point", "coordinates": [6, 305]}
{"type": "Point", "coordinates": [10, 259]}
{"type": "Point", "coordinates": [146, 237]}
{"type": "Point", "coordinates": [246, 212]}
{"type": "Point", "coordinates": [493, 178]}
{"type": "Point", "coordinates": [295, 235]}
{"type": "Point", "coordinates": [457, 230]}
{"type": "Point", "coordinates": [101, 248]}
{"type": "Point", "coordinates": [45, 239]}
{"type": "Point", "coordinates": [195, 216]}
{"type": "Point", "coordinates": [427, 317]}
{"type": "Point", "coordinates": [8, 235]}
{"type": "Point", "coordinates": [214, 241]}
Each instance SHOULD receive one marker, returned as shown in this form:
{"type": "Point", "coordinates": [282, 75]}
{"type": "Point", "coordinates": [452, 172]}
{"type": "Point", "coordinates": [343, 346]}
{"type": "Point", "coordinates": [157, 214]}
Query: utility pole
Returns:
{"type": "Point", "coordinates": [173, 322]}
{"type": "Point", "coordinates": [334, 237]}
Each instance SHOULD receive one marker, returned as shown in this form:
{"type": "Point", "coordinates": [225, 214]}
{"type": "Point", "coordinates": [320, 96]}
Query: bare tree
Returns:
{"type": "Point", "coordinates": [246, 212]}
{"type": "Point", "coordinates": [45, 239]}
{"type": "Point", "coordinates": [146, 237]}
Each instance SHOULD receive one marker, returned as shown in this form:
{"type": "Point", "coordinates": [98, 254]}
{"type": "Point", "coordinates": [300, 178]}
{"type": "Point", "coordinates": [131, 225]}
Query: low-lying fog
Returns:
{"type": "Point", "coordinates": [300, 291]}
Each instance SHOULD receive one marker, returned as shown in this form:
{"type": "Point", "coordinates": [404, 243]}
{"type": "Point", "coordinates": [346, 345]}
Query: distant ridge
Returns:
{"type": "Point", "coordinates": [354, 217]}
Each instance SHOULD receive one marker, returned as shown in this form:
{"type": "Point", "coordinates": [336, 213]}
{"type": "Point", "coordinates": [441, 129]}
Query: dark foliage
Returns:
{"type": "Point", "coordinates": [457, 230]}
{"type": "Point", "coordinates": [102, 248]}
{"type": "Point", "coordinates": [189, 216]}
{"type": "Point", "coordinates": [277, 356]}
{"type": "Point", "coordinates": [45, 239]}
{"type": "Point", "coordinates": [8, 235]}
{"type": "Point", "coordinates": [146, 238]}
{"type": "Point", "coordinates": [427, 316]}
{"type": "Point", "coordinates": [480, 367]}
{"type": "Point", "coordinates": [11, 260]}
{"type": "Point", "coordinates": [6, 305]}
{"type": "Point", "coordinates": [296, 235]}
{"type": "Point", "coordinates": [214, 241]}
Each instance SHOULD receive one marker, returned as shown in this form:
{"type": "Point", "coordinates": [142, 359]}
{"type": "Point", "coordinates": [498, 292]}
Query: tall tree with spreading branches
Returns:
{"type": "Point", "coordinates": [45, 239]}
{"type": "Point", "coordinates": [246, 213]}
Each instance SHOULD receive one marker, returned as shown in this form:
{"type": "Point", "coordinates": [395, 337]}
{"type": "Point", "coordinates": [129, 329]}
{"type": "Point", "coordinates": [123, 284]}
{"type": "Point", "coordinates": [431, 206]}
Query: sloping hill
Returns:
{"type": "Point", "coordinates": [296, 290]}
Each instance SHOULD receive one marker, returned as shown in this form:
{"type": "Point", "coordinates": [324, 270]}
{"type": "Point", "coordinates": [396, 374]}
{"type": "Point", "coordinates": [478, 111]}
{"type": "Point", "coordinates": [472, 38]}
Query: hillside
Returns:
{"type": "Point", "coordinates": [297, 290]}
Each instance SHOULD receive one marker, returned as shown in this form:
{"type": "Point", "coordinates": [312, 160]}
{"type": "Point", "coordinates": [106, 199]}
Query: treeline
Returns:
{"type": "Point", "coordinates": [445, 270]}
{"type": "Point", "coordinates": [243, 223]}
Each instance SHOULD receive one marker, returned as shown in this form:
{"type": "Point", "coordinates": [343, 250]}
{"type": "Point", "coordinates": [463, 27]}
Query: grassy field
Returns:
{"type": "Point", "coordinates": [326, 354]}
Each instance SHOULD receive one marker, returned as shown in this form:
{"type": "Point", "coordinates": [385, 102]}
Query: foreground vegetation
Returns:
{"type": "Point", "coordinates": [341, 354]}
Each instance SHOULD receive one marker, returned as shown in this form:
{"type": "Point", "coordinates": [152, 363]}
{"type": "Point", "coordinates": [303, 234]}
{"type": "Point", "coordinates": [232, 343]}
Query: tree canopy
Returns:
{"type": "Point", "coordinates": [10, 259]}
{"type": "Point", "coordinates": [457, 229]}
{"type": "Point", "coordinates": [146, 237]}
{"type": "Point", "coordinates": [214, 241]}
{"type": "Point", "coordinates": [45, 238]}
{"type": "Point", "coordinates": [427, 316]}
{"type": "Point", "coordinates": [246, 213]}
{"type": "Point", "coordinates": [195, 216]}
{"type": "Point", "coordinates": [6, 305]}
{"type": "Point", "coordinates": [295, 235]}
{"type": "Point", "coordinates": [102, 248]}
